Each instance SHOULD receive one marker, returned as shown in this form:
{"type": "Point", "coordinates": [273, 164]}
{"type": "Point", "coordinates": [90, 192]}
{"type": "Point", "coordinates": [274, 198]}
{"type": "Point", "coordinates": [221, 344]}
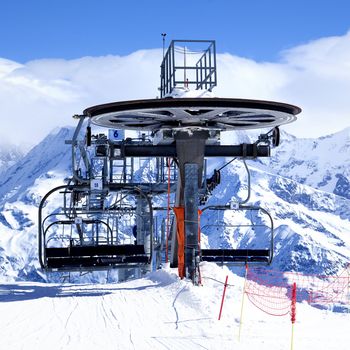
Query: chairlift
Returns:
{"type": "Point", "coordinates": [257, 255]}
{"type": "Point", "coordinates": [261, 255]}
{"type": "Point", "coordinates": [92, 243]}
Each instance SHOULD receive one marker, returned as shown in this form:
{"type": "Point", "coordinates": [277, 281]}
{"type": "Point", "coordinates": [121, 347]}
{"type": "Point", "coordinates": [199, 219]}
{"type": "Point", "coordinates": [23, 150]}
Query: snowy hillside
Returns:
{"type": "Point", "coordinates": [50, 158]}
{"type": "Point", "coordinates": [322, 163]}
{"type": "Point", "coordinates": [21, 188]}
{"type": "Point", "coordinates": [311, 226]}
{"type": "Point", "coordinates": [9, 155]}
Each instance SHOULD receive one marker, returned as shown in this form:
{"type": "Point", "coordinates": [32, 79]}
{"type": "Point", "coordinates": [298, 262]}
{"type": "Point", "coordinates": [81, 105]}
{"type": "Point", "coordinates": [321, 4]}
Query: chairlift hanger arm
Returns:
{"type": "Point", "coordinates": [257, 256]}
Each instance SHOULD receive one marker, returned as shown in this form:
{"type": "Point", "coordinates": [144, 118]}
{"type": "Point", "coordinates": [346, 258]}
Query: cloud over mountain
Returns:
{"type": "Point", "coordinates": [42, 94]}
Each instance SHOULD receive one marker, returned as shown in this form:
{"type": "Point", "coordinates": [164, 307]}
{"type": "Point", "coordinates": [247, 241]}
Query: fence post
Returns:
{"type": "Point", "coordinates": [242, 305]}
{"type": "Point", "coordinates": [348, 271]}
{"type": "Point", "coordinates": [293, 312]}
{"type": "Point", "coordinates": [223, 298]}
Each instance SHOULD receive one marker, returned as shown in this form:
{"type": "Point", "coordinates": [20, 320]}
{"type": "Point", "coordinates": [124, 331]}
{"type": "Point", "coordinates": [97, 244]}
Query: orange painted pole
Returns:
{"type": "Point", "coordinates": [167, 216]}
{"type": "Point", "coordinates": [180, 221]}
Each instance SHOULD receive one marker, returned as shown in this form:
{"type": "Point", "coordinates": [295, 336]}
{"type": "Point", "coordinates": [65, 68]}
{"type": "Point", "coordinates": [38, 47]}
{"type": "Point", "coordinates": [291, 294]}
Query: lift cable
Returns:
{"type": "Point", "coordinates": [226, 164]}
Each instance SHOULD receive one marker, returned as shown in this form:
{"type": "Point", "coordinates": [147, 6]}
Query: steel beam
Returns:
{"type": "Point", "coordinates": [240, 151]}
{"type": "Point", "coordinates": [191, 219]}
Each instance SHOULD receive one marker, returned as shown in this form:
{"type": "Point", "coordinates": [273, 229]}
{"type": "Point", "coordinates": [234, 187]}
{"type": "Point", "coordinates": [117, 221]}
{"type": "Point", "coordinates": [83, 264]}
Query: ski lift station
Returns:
{"type": "Point", "coordinates": [140, 182]}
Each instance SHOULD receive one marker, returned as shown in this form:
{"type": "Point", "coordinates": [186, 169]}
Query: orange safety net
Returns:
{"type": "Point", "coordinates": [323, 290]}
{"type": "Point", "coordinates": [268, 292]}
{"type": "Point", "coordinates": [272, 291]}
{"type": "Point", "coordinates": [180, 225]}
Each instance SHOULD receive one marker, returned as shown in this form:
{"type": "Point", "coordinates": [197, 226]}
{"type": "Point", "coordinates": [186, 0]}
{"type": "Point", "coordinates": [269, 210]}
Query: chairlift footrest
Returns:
{"type": "Point", "coordinates": [236, 255]}
{"type": "Point", "coordinates": [95, 250]}
{"type": "Point", "coordinates": [95, 262]}
{"type": "Point", "coordinates": [95, 256]}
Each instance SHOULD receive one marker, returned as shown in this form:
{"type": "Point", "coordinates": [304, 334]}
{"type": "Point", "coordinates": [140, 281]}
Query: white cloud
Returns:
{"type": "Point", "coordinates": [37, 96]}
{"type": "Point", "coordinates": [314, 76]}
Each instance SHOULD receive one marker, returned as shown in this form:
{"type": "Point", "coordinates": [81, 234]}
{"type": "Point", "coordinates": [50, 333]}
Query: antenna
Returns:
{"type": "Point", "coordinates": [163, 35]}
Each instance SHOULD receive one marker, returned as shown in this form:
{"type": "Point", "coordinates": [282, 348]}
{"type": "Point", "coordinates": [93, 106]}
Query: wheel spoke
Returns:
{"type": "Point", "coordinates": [208, 113]}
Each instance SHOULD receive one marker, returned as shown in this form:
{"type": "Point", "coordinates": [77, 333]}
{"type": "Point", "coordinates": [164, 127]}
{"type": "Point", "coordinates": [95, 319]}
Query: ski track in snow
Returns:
{"type": "Point", "coordinates": [158, 311]}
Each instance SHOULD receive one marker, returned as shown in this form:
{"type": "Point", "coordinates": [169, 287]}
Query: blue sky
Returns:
{"type": "Point", "coordinates": [58, 57]}
{"type": "Point", "coordinates": [255, 29]}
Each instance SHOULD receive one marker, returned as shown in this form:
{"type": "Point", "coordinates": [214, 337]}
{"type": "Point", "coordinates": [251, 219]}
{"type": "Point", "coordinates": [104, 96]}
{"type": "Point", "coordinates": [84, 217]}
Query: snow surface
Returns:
{"type": "Point", "coordinates": [159, 311]}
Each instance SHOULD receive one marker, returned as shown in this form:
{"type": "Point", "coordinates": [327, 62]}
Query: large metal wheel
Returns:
{"type": "Point", "coordinates": [204, 113]}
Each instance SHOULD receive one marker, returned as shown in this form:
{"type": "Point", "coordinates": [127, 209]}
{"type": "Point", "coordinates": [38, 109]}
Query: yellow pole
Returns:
{"type": "Point", "coordinates": [348, 271]}
{"type": "Point", "coordinates": [293, 312]}
{"type": "Point", "coordinates": [242, 304]}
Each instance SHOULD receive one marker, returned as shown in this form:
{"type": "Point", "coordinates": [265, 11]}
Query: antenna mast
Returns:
{"type": "Point", "coordinates": [163, 35]}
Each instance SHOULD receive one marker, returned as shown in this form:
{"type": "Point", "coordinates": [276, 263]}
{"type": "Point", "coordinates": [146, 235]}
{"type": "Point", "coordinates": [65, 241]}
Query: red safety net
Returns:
{"type": "Point", "coordinates": [275, 292]}
{"type": "Point", "coordinates": [318, 289]}
{"type": "Point", "coordinates": [268, 292]}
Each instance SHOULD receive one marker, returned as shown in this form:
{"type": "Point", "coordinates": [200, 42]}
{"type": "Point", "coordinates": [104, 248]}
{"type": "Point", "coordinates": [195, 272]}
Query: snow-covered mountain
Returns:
{"type": "Point", "coordinates": [21, 188]}
{"type": "Point", "coordinates": [322, 163]}
{"type": "Point", "coordinates": [49, 159]}
{"type": "Point", "coordinates": [311, 225]}
{"type": "Point", "coordinates": [9, 155]}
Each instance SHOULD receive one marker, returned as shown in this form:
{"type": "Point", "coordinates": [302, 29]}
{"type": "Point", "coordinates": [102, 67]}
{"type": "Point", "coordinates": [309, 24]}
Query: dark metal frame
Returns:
{"type": "Point", "coordinates": [241, 256]}
{"type": "Point", "coordinates": [80, 258]}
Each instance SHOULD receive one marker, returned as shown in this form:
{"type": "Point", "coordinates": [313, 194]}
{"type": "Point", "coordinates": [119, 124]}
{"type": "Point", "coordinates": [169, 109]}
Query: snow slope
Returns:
{"type": "Point", "coordinates": [158, 311]}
